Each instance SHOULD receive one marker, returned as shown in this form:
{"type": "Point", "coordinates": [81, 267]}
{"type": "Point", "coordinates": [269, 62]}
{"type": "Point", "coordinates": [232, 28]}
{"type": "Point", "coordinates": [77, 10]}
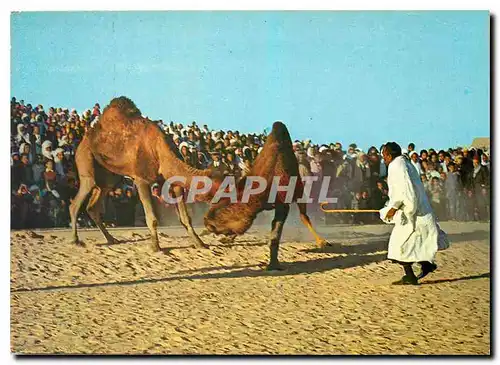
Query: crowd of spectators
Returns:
{"type": "Point", "coordinates": [44, 179]}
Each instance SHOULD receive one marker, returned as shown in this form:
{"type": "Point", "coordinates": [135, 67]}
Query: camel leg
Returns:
{"type": "Point", "coordinates": [320, 242]}
{"type": "Point", "coordinates": [86, 185]}
{"type": "Point", "coordinates": [145, 195]}
{"type": "Point", "coordinates": [94, 208]}
{"type": "Point", "coordinates": [280, 215]}
{"type": "Point", "coordinates": [185, 219]}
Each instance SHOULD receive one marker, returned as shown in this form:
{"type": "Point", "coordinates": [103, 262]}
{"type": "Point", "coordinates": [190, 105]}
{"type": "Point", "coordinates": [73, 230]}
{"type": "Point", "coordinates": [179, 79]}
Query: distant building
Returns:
{"type": "Point", "coordinates": [481, 142]}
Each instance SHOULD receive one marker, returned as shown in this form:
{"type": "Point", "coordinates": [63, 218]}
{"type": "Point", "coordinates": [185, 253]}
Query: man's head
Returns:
{"type": "Point", "coordinates": [447, 158]}
{"type": "Point", "coordinates": [476, 160]}
{"type": "Point", "coordinates": [364, 194]}
{"type": "Point", "coordinates": [414, 156]}
{"type": "Point", "coordinates": [423, 178]}
{"type": "Point", "coordinates": [424, 154]}
{"type": "Point", "coordinates": [452, 167]}
{"type": "Point", "coordinates": [390, 151]}
{"type": "Point", "coordinates": [215, 156]}
{"type": "Point", "coordinates": [25, 159]}
{"type": "Point", "coordinates": [435, 180]}
{"type": "Point", "coordinates": [411, 147]}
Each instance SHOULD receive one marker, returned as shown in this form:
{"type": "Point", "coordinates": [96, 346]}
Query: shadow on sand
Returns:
{"type": "Point", "coordinates": [289, 268]}
{"type": "Point", "coordinates": [471, 277]}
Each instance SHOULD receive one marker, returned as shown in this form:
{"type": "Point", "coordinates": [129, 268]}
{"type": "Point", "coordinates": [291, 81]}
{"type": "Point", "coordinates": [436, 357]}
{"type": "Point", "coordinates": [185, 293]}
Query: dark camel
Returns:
{"type": "Point", "coordinates": [276, 159]}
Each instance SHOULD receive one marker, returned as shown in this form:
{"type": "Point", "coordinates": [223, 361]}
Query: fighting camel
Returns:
{"type": "Point", "coordinates": [123, 143]}
{"type": "Point", "coordinates": [277, 159]}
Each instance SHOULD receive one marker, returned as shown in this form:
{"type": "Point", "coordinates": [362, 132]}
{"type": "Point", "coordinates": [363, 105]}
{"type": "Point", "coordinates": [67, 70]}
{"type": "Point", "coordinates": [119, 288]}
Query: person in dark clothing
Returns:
{"type": "Point", "coordinates": [26, 173]}
{"type": "Point", "coordinates": [364, 204]}
{"type": "Point", "coordinates": [120, 203]}
{"type": "Point", "coordinates": [130, 207]}
{"type": "Point", "coordinates": [232, 168]}
{"type": "Point", "coordinates": [20, 208]}
{"type": "Point", "coordinates": [217, 165]}
{"type": "Point", "coordinates": [379, 197]}
{"type": "Point", "coordinates": [480, 180]}
{"type": "Point", "coordinates": [109, 210]}
{"type": "Point", "coordinates": [374, 162]}
{"type": "Point", "coordinates": [16, 172]}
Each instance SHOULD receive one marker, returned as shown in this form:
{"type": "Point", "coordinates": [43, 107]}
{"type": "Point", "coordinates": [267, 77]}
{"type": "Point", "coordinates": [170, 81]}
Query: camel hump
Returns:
{"type": "Point", "coordinates": [126, 106]}
{"type": "Point", "coordinates": [280, 132]}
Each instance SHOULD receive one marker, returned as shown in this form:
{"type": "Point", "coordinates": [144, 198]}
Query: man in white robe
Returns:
{"type": "Point", "coordinates": [415, 235]}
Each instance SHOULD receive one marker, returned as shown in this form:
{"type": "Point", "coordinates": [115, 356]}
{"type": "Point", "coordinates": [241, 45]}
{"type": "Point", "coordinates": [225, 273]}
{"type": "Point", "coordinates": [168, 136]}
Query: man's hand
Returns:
{"type": "Point", "coordinates": [390, 213]}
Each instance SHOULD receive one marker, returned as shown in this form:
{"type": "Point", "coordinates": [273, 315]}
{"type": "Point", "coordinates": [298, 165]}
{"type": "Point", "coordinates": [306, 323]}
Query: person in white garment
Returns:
{"type": "Point", "coordinates": [415, 236]}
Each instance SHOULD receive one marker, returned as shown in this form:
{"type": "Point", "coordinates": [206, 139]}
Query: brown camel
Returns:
{"type": "Point", "coordinates": [276, 159]}
{"type": "Point", "coordinates": [125, 143]}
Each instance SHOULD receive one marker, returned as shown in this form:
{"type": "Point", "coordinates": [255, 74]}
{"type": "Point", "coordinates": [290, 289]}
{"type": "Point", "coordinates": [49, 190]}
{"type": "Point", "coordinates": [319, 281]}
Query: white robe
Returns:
{"type": "Point", "coordinates": [415, 235]}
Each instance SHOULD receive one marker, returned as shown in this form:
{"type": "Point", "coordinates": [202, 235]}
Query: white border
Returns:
{"type": "Point", "coordinates": [46, 5]}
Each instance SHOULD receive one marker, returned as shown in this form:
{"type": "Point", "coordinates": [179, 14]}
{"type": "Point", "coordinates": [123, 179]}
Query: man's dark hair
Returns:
{"type": "Point", "coordinates": [393, 149]}
{"type": "Point", "coordinates": [411, 145]}
{"type": "Point", "coordinates": [423, 151]}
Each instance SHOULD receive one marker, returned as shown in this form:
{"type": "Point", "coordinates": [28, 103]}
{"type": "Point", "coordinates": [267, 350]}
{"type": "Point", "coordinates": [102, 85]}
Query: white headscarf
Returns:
{"type": "Point", "coordinates": [45, 153]}
{"type": "Point", "coordinates": [22, 137]}
{"type": "Point", "coordinates": [63, 141]}
{"type": "Point", "coordinates": [21, 147]}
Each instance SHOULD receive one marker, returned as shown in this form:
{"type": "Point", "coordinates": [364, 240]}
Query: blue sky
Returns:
{"type": "Point", "coordinates": [364, 77]}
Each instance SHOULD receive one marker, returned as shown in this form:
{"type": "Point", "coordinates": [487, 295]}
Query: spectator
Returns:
{"type": "Point", "coordinates": [361, 176]}
{"type": "Point", "coordinates": [415, 162]}
{"type": "Point", "coordinates": [480, 181]}
{"type": "Point", "coordinates": [437, 197]}
{"type": "Point", "coordinates": [453, 191]}
{"type": "Point", "coordinates": [364, 204]}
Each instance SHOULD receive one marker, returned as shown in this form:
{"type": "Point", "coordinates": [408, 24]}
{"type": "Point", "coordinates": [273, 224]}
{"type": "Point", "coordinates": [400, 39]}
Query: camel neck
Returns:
{"type": "Point", "coordinates": [171, 165]}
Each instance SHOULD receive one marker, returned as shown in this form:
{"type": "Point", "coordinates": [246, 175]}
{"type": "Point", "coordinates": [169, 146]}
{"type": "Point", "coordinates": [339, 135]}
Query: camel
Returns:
{"type": "Point", "coordinates": [123, 143]}
{"type": "Point", "coordinates": [276, 159]}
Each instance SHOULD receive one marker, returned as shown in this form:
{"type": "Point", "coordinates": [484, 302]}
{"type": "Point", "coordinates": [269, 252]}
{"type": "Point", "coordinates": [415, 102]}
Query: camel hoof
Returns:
{"type": "Point", "coordinates": [113, 241]}
{"type": "Point", "coordinates": [274, 267]}
{"type": "Point", "coordinates": [77, 242]}
{"type": "Point", "coordinates": [155, 247]}
{"type": "Point", "coordinates": [201, 245]}
{"type": "Point", "coordinates": [323, 244]}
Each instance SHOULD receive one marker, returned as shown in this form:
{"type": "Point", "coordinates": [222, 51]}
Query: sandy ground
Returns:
{"type": "Point", "coordinates": [122, 299]}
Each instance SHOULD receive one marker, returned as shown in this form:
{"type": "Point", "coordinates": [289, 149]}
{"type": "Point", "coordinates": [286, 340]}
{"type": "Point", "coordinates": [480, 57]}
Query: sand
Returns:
{"type": "Point", "coordinates": [122, 299]}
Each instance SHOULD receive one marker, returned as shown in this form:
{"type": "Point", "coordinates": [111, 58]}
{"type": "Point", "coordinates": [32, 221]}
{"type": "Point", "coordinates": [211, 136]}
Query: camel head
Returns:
{"type": "Point", "coordinates": [229, 219]}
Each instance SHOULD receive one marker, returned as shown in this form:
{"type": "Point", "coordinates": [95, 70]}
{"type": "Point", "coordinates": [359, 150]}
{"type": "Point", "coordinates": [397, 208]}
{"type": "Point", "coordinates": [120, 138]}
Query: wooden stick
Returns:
{"type": "Point", "coordinates": [347, 210]}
